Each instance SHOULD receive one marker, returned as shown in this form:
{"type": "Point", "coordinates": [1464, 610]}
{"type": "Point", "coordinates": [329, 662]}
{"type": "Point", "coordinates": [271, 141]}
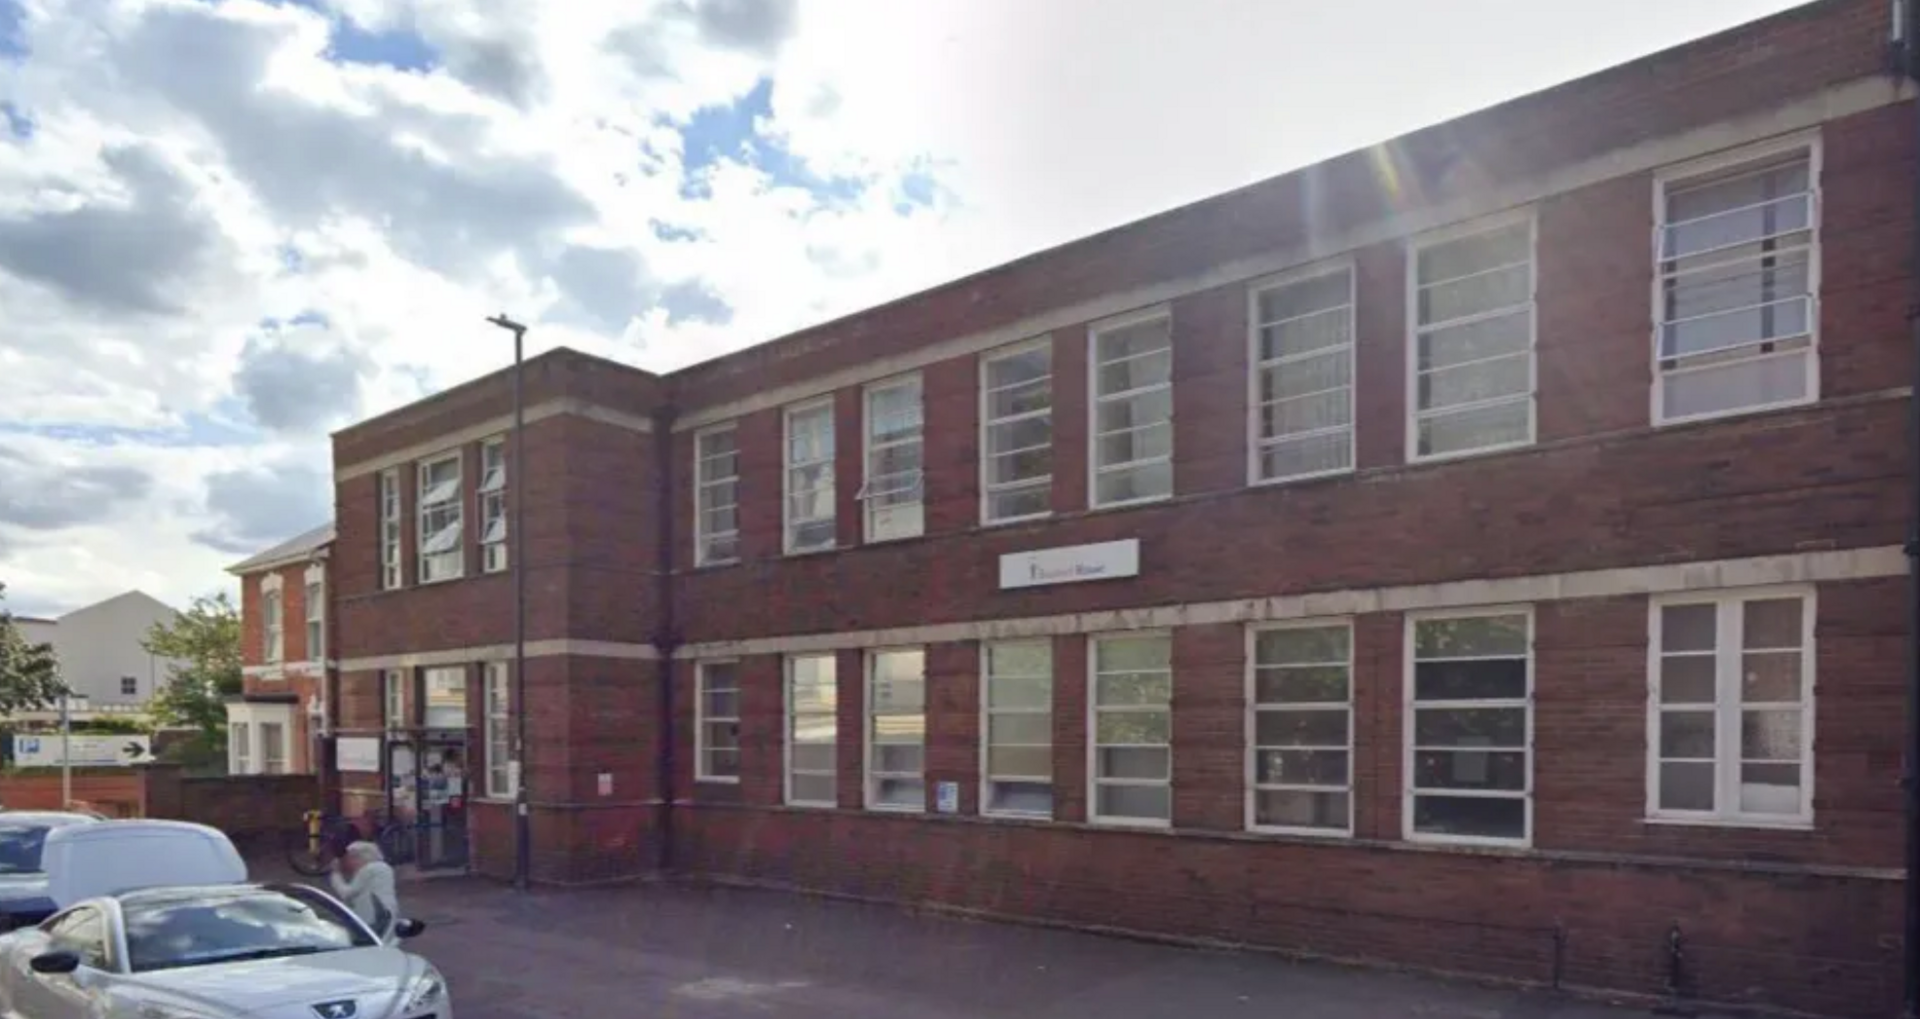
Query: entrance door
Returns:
{"type": "Point", "coordinates": [441, 842]}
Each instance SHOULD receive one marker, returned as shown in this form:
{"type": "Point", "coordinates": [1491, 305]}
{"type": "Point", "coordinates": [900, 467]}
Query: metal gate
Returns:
{"type": "Point", "coordinates": [427, 800]}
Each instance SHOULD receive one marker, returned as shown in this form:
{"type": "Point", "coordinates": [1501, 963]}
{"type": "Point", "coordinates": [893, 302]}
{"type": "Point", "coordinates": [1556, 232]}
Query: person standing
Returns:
{"type": "Point", "coordinates": [363, 880]}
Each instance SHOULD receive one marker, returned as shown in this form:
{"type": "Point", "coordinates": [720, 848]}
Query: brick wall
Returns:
{"type": "Point", "coordinates": [114, 793]}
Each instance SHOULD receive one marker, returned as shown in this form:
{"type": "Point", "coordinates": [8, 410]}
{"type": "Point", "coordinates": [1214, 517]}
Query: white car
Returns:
{"type": "Point", "coordinates": [218, 952]}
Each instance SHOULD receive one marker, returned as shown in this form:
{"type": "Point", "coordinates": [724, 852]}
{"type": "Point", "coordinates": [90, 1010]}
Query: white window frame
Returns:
{"type": "Point", "coordinates": [457, 554]}
{"type": "Point", "coordinates": [702, 485]}
{"type": "Point", "coordinates": [393, 697]}
{"type": "Point", "coordinates": [1256, 444]}
{"type": "Point", "coordinates": [787, 466]}
{"type": "Point", "coordinates": [786, 737]}
{"type": "Point", "coordinates": [1408, 789]}
{"type": "Point", "coordinates": [987, 712]}
{"type": "Point", "coordinates": [392, 572]}
{"type": "Point", "coordinates": [1094, 781]}
{"type": "Point", "coordinates": [1808, 142]}
{"type": "Point", "coordinates": [316, 595]}
{"type": "Point", "coordinates": [1094, 399]}
{"type": "Point", "coordinates": [1444, 235]}
{"type": "Point", "coordinates": [240, 742]}
{"type": "Point", "coordinates": [1727, 707]}
{"type": "Point", "coordinates": [273, 609]}
{"type": "Point", "coordinates": [702, 770]}
{"type": "Point", "coordinates": [869, 447]}
{"type": "Point", "coordinates": [272, 763]}
{"type": "Point", "coordinates": [493, 509]}
{"type": "Point", "coordinates": [1253, 720]}
{"type": "Point", "coordinates": [496, 734]}
{"type": "Point", "coordinates": [988, 421]}
{"type": "Point", "coordinates": [872, 776]}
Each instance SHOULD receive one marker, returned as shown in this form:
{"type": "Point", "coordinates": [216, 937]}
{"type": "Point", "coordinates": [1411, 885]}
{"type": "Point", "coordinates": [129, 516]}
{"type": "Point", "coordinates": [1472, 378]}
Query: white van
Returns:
{"type": "Point", "coordinates": [85, 861]}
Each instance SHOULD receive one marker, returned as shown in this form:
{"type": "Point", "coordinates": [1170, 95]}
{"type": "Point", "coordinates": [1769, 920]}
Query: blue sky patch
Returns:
{"type": "Point", "coordinates": [194, 431]}
{"type": "Point", "coordinates": [17, 123]}
{"type": "Point", "coordinates": [731, 132]}
{"type": "Point", "coordinates": [351, 43]}
{"type": "Point", "coordinates": [13, 30]}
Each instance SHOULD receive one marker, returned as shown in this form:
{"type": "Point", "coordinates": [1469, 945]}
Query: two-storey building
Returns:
{"type": "Point", "coordinates": [275, 725]}
{"type": "Point", "coordinates": [1479, 552]}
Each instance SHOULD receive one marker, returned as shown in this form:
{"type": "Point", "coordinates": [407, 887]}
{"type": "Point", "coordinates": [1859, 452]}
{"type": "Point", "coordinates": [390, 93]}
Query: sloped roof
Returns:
{"type": "Point", "coordinates": [292, 549]}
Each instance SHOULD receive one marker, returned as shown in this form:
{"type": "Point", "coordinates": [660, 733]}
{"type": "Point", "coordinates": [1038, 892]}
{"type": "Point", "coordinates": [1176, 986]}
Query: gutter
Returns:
{"type": "Point", "coordinates": [666, 634]}
{"type": "Point", "coordinates": [1906, 64]}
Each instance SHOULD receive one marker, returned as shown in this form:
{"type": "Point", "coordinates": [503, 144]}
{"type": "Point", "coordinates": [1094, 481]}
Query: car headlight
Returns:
{"type": "Point", "coordinates": [426, 990]}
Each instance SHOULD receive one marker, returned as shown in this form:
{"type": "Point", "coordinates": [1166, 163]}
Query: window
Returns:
{"type": "Point", "coordinates": [1472, 349]}
{"type": "Point", "coordinates": [493, 505]}
{"type": "Point", "coordinates": [895, 490]}
{"type": "Point", "coordinates": [1471, 732]}
{"type": "Point", "coordinates": [1016, 441]}
{"type": "Point", "coordinates": [813, 729]}
{"type": "Point", "coordinates": [241, 742]}
{"type": "Point", "coordinates": [82, 931]}
{"type": "Point", "coordinates": [316, 621]}
{"type": "Point", "coordinates": [440, 554]}
{"type": "Point", "coordinates": [810, 511]}
{"type": "Point", "coordinates": [270, 610]}
{"type": "Point", "coordinates": [1303, 376]}
{"type": "Point", "coordinates": [1732, 708]}
{"type": "Point", "coordinates": [1132, 411]}
{"type": "Point", "coordinates": [212, 925]}
{"type": "Point", "coordinates": [1302, 728]}
{"type": "Point", "coordinates": [896, 730]}
{"type": "Point", "coordinates": [1737, 303]}
{"type": "Point", "coordinates": [1132, 708]}
{"type": "Point", "coordinates": [129, 686]}
{"type": "Point", "coordinates": [446, 698]}
{"type": "Point", "coordinates": [390, 573]}
{"type": "Point", "coordinates": [499, 745]}
{"type": "Point", "coordinates": [395, 692]}
{"type": "Point", "coordinates": [1017, 737]}
{"type": "Point", "coordinates": [717, 729]}
{"type": "Point", "coordinates": [716, 511]}
{"type": "Point", "coordinates": [273, 748]}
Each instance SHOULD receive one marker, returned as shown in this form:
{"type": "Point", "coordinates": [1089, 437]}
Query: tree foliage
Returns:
{"type": "Point", "coordinates": [29, 673]}
{"type": "Point", "coordinates": [204, 645]}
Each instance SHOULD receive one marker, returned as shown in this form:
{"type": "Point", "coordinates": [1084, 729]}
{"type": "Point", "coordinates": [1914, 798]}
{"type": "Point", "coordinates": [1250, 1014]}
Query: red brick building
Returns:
{"type": "Point", "coordinates": [1480, 552]}
{"type": "Point", "coordinates": [274, 726]}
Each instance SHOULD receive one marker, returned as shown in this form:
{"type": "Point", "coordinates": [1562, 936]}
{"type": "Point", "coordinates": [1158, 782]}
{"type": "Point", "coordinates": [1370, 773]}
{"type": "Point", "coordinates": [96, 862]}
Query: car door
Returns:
{"type": "Point", "coordinates": [82, 930]}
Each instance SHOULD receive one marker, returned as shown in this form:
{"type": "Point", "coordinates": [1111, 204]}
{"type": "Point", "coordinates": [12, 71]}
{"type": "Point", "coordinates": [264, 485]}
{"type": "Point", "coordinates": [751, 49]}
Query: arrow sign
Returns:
{"type": "Point", "coordinates": [135, 751]}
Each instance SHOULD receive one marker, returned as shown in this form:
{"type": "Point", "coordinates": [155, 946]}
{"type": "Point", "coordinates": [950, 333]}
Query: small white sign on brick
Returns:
{"type": "Point", "coordinates": [1070, 564]}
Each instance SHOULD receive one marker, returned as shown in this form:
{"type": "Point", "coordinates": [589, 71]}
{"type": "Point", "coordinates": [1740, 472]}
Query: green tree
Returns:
{"type": "Point", "coordinates": [204, 644]}
{"type": "Point", "coordinates": [29, 673]}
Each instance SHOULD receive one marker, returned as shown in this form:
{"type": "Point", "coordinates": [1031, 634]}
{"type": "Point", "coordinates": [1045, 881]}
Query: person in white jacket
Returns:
{"type": "Point", "coordinates": [363, 880]}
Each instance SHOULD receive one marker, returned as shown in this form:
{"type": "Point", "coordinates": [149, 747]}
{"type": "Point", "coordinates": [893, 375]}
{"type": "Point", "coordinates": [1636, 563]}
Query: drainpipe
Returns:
{"type": "Point", "coordinates": [666, 634]}
{"type": "Point", "coordinates": [1906, 24]}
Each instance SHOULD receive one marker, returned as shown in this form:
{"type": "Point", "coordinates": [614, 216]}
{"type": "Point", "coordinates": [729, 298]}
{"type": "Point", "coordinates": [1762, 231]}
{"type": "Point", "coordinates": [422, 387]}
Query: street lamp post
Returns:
{"type": "Point", "coordinates": [518, 485]}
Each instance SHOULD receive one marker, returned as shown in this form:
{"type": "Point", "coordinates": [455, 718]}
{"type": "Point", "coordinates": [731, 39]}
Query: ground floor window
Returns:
{"type": "Point", "coordinates": [1469, 738]}
{"type": "Point", "coordinates": [1017, 735]}
{"type": "Point", "coordinates": [717, 722]}
{"type": "Point", "coordinates": [896, 729]}
{"type": "Point", "coordinates": [1132, 721]}
{"type": "Point", "coordinates": [1301, 701]}
{"type": "Point", "coordinates": [813, 729]}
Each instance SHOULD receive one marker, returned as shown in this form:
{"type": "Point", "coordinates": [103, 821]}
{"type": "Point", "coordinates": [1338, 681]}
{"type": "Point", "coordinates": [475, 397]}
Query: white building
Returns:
{"type": "Point", "coordinates": [99, 648]}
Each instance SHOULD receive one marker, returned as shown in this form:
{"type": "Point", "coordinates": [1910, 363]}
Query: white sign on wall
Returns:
{"type": "Point", "coordinates": [83, 751]}
{"type": "Point", "coordinates": [358, 754]}
{"type": "Point", "coordinates": [1070, 564]}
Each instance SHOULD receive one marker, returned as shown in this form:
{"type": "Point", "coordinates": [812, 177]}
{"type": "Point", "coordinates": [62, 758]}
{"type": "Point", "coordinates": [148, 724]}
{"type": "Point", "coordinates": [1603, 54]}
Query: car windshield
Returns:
{"type": "Point", "coordinates": [233, 926]}
{"type": "Point", "coordinates": [20, 847]}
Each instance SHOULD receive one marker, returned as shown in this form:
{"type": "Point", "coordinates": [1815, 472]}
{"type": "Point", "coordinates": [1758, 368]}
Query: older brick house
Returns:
{"type": "Point", "coordinates": [274, 726]}
{"type": "Point", "coordinates": [1480, 552]}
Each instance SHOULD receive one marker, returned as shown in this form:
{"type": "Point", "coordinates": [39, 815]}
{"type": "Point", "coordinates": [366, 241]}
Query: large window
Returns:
{"type": "Point", "coordinates": [1016, 433]}
{"type": "Point", "coordinates": [1732, 708]}
{"type": "Point", "coordinates": [716, 511]}
{"type": "Point", "coordinates": [1469, 740]}
{"type": "Point", "coordinates": [896, 729]}
{"type": "Point", "coordinates": [810, 510]}
{"type": "Point", "coordinates": [316, 621]}
{"type": "Point", "coordinates": [1017, 737]}
{"type": "Point", "coordinates": [273, 748]}
{"type": "Point", "coordinates": [1133, 411]}
{"type": "Point", "coordinates": [1132, 715]}
{"type": "Point", "coordinates": [894, 493]}
{"type": "Point", "coordinates": [1737, 301]}
{"type": "Point", "coordinates": [813, 729]}
{"type": "Point", "coordinates": [1303, 376]}
{"type": "Point", "coordinates": [1472, 363]}
{"type": "Point", "coordinates": [717, 728]}
{"type": "Point", "coordinates": [1302, 728]}
{"type": "Point", "coordinates": [499, 741]}
{"type": "Point", "coordinates": [493, 506]}
{"type": "Point", "coordinates": [273, 612]}
{"type": "Point", "coordinates": [446, 693]}
{"type": "Point", "coordinates": [390, 571]}
{"type": "Point", "coordinates": [440, 555]}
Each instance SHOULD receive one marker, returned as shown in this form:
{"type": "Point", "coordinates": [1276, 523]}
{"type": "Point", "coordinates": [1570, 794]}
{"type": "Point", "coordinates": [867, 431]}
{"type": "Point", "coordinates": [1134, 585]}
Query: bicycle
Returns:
{"type": "Point", "coordinates": [323, 838]}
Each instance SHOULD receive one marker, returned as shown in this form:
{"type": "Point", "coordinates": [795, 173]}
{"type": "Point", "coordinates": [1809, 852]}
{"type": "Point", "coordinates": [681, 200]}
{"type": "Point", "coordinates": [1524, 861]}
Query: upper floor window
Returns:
{"type": "Point", "coordinates": [316, 621]}
{"type": "Point", "coordinates": [275, 624]}
{"type": "Point", "coordinates": [1732, 708]}
{"type": "Point", "coordinates": [1016, 433]}
{"type": "Point", "coordinates": [810, 517]}
{"type": "Point", "coordinates": [895, 487]}
{"type": "Point", "coordinates": [716, 510]}
{"type": "Point", "coordinates": [493, 506]}
{"type": "Point", "coordinates": [1470, 735]}
{"type": "Point", "coordinates": [1471, 378]}
{"type": "Point", "coordinates": [440, 519]}
{"type": "Point", "coordinates": [390, 572]}
{"type": "Point", "coordinates": [129, 686]}
{"type": "Point", "coordinates": [1303, 376]}
{"type": "Point", "coordinates": [1132, 409]}
{"type": "Point", "coordinates": [1737, 301]}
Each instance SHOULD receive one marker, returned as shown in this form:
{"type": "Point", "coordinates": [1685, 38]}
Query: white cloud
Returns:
{"type": "Point", "coordinates": [231, 228]}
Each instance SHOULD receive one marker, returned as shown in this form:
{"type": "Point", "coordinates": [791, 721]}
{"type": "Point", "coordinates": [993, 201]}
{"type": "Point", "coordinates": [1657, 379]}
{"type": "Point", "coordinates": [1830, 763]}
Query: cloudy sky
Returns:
{"type": "Point", "coordinates": [227, 228]}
